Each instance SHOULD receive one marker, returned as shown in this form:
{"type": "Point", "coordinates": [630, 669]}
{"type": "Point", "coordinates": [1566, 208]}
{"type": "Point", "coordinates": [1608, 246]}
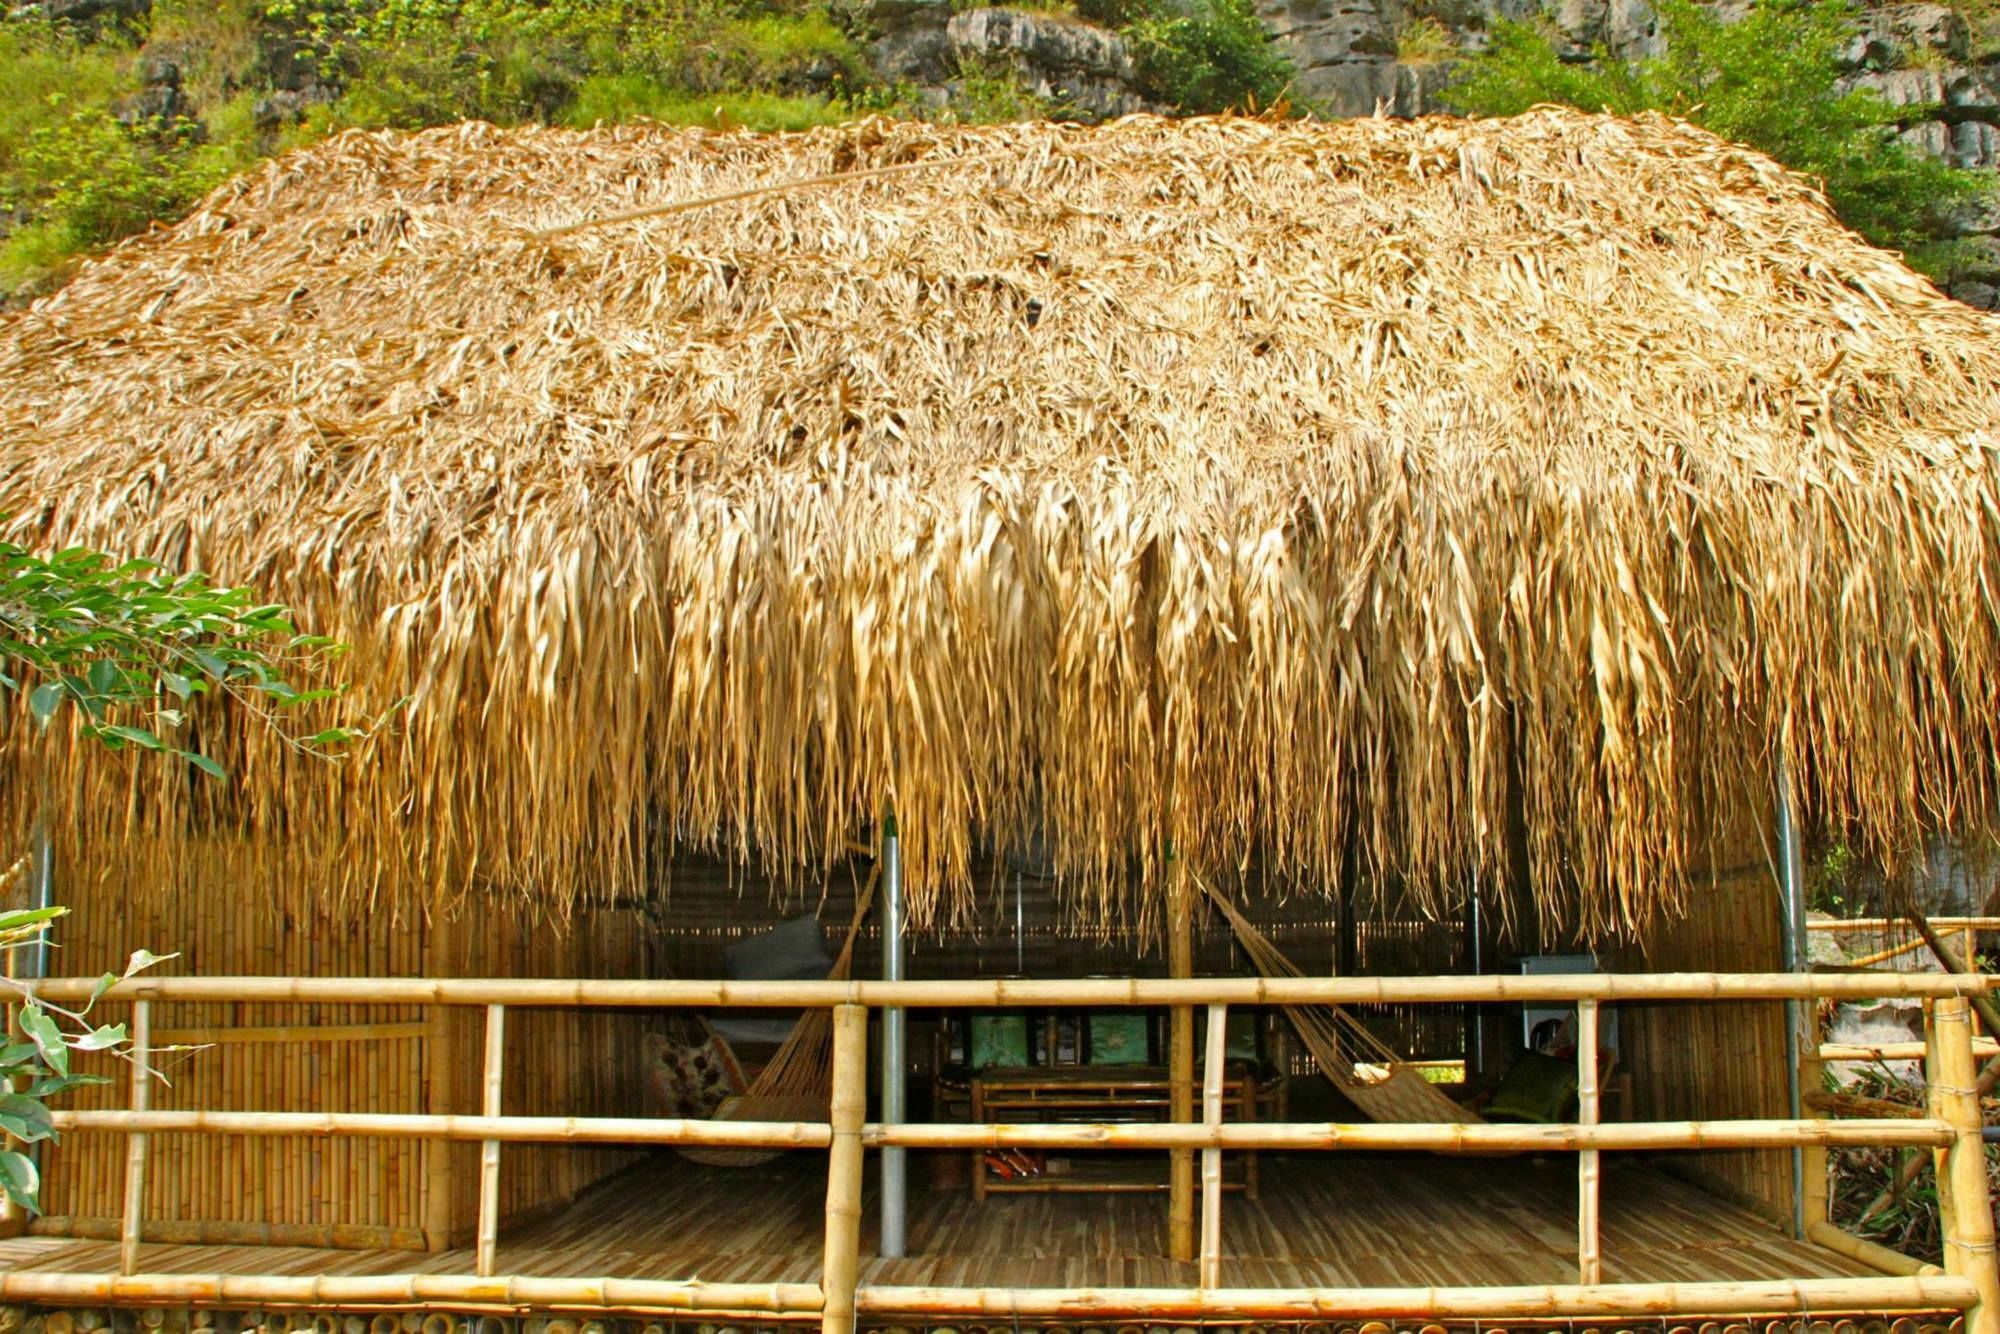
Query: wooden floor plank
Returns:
{"type": "Point", "coordinates": [1322, 1220]}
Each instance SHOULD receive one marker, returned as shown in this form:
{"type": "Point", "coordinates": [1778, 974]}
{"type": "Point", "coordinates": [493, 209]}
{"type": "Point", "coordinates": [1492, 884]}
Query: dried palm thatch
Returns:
{"type": "Point", "coordinates": [1219, 483]}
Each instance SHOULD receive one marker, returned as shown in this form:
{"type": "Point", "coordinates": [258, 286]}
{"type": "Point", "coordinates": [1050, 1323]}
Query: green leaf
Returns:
{"type": "Point", "coordinates": [41, 1030]}
{"type": "Point", "coordinates": [45, 700]}
{"type": "Point", "coordinates": [205, 764]}
{"type": "Point", "coordinates": [20, 1181]}
{"type": "Point", "coordinates": [102, 1038]}
{"type": "Point", "coordinates": [25, 1118]}
{"type": "Point", "coordinates": [137, 736]}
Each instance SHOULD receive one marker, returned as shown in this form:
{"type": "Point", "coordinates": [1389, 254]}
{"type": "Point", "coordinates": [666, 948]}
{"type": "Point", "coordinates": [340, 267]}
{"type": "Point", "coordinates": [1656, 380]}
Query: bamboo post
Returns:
{"type": "Point", "coordinates": [847, 1113]}
{"type": "Point", "coordinates": [1211, 1159]}
{"type": "Point", "coordinates": [1180, 1065]}
{"type": "Point", "coordinates": [1818, 1207]}
{"type": "Point", "coordinates": [1964, 1208]}
{"type": "Point", "coordinates": [437, 1154]}
{"type": "Point", "coordinates": [489, 1150]}
{"type": "Point", "coordinates": [1589, 1259]}
{"type": "Point", "coordinates": [135, 1146]}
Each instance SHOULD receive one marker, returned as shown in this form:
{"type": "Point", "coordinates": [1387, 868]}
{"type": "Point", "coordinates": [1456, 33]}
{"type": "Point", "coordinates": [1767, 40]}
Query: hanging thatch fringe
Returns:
{"type": "Point", "coordinates": [1221, 484]}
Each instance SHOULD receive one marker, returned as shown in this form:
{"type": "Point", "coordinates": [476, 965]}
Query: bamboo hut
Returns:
{"type": "Point", "coordinates": [1455, 541]}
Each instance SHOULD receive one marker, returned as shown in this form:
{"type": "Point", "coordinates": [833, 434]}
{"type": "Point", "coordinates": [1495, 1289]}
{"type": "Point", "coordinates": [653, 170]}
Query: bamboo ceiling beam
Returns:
{"type": "Point", "coordinates": [677, 993]}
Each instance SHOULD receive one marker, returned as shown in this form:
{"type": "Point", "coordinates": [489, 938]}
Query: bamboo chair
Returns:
{"type": "Point", "coordinates": [796, 1084]}
{"type": "Point", "coordinates": [1366, 1070]}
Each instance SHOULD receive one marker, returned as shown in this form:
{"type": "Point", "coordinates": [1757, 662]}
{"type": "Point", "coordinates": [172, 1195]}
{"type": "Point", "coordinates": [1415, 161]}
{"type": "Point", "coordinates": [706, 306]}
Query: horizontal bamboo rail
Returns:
{"type": "Point", "coordinates": [1479, 988]}
{"type": "Point", "coordinates": [1903, 923]}
{"type": "Point", "coordinates": [840, 1298]}
{"type": "Point", "coordinates": [209, 1232]}
{"type": "Point", "coordinates": [1434, 1137]}
{"type": "Point", "coordinates": [226, 1037]}
{"type": "Point", "coordinates": [1896, 1051]}
{"type": "Point", "coordinates": [1752, 1298]}
{"type": "Point", "coordinates": [415, 1291]}
{"type": "Point", "coordinates": [419, 1125]}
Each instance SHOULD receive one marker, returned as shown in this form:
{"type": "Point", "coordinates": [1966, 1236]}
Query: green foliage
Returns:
{"type": "Point", "coordinates": [1214, 56]}
{"type": "Point", "coordinates": [39, 1066]}
{"type": "Point", "coordinates": [127, 647]}
{"type": "Point", "coordinates": [124, 648]}
{"type": "Point", "coordinates": [1770, 80]}
{"type": "Point", "coordinates": [409, 63]}
{"type": "Point", "coordinates": [613, 98]}
{"type": "Point", "coordinates": [1425, 41]}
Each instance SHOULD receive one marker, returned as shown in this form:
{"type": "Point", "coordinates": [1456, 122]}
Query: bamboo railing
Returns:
{"type": "Point", "coordinates": [1951, 1131]}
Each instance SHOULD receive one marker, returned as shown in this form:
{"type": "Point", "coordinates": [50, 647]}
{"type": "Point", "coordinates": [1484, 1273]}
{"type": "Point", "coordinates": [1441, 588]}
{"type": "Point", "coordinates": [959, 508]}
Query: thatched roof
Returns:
{"type": "Point", "coordinates": [1224, 484]}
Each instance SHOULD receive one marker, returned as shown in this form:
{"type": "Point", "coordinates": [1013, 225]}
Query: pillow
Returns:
{"type": "Point", "coordinates": [998, 1039]}
{"type": "Point", "coordinates": [793, 951]}
{"type": "Point", "coordinates": [1538, 1088]}
{"type": "Point", "coordinates": [1119, 1037]}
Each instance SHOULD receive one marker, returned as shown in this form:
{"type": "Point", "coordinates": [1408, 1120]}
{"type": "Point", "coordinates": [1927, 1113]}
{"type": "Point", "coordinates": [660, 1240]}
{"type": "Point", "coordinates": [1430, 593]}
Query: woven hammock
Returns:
{"type": "Point", "coordinates": [1365, 1069]}
{"type": "Point", "coordinates": [796, 1084]}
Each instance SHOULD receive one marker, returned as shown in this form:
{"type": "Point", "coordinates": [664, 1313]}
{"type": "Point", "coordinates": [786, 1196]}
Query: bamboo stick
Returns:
{"type": "Point", "coordinates": [1884, 923]}
{"type": "Point", "coordinates": [1813, 1165]}
{"type": "Point", "coordinates": [1964, 1207]}
{"type": "Point", "coordinates": [1432, 1137]}
{"type": "Point", "coordinates": [1589, 1259]}
{"type": "Point", "coordinates": [1895, 1051]}
{"type": "Point", "coordinates": [848, 1110]}
{"type": "Point", "coordinates": [475, 1129]}
{"type": "Point", "coordinates": [437, 1156]}
{"type": "Point", "coordinates": [1741, 1298]}
{"type": "Point", "coordinates": [1211, 1158]}
{"type": "Point", "coordinates": [211, 1232]}
{"type": "Point", "coordinates": [1870, 1253]}
{"type": "Point", "coordinates": [450, 1292]}
{"type": "Point", "coordinates": [1180, 1069]}
{"type": "Point", "coordinates": [141, 1056]}
{"type": "Point", "coordinates": [682, 993]}
{"type": "Point", "coordinates": [489, 1149]}
{"type": "Point", "coordinates": [219, 1037]}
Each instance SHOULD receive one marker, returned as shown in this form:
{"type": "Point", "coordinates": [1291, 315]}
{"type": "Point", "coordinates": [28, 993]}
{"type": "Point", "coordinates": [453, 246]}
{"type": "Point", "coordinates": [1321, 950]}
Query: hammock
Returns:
{"type": "Point", "coordinates": [797, 1083]}
{"type": "Point", "coordinates": [1365, 1069]}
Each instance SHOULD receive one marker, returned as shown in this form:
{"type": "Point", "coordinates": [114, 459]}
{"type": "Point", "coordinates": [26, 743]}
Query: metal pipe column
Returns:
{"type": "Point", "coordinates": [895, 1065]}
{"type": "Point", "coordinates": [1792, 903]}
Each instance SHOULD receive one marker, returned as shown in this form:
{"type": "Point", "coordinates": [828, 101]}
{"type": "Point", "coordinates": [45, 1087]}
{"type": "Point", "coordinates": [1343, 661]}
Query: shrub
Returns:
{"type": "Point", "coordinates": [1215, 57]}
{"type": "Point", "coordinates": [1770, 80]}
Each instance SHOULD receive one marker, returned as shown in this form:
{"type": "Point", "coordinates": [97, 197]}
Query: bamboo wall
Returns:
{"type": "Point", "coordinates": [341, 1191]}
{"type": "Point", "coordinates": [1708, 1061]}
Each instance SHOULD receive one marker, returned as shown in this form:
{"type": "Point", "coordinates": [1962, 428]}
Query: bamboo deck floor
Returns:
{"type": "Point", "coordinates": [1346, 1221]}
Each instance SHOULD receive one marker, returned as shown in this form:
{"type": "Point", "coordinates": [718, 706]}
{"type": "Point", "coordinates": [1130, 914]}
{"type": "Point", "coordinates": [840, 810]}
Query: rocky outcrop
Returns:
{"type": "Point", "coordinates": [1077, 68]}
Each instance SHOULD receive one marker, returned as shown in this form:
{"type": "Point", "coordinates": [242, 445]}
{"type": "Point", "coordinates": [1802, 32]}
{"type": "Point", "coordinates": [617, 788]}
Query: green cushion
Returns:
{"type": "Point", "coordinates": [1539, 1088]}
{"type": "Point", "coordinates": [1118, 1037]}
{"type": "Point", "coordinates": [999, 1040]}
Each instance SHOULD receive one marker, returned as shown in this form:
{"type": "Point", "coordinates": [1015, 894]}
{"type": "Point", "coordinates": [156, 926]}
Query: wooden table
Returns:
{"type": "Point", "coordinates": [1102, 1093]}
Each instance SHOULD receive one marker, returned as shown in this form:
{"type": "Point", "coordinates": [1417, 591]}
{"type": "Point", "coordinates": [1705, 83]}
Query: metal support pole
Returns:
{"type": "Point", "coordinates": [895, 1096]}
{"type": "Point", "coordinates": [1792, 930]}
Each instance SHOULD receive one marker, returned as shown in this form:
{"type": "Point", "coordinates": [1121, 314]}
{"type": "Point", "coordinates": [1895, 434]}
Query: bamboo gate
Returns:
{"type": "Point", "coordinates": [1952, 1130]}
